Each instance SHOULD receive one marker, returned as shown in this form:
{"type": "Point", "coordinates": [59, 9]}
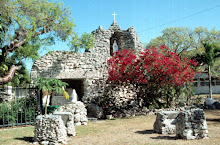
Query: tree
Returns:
{"type": "Point", "coordinates": [33, 23]}
{"type": "Point", "coordinates": [156, 70]}
{"type": "Point", "coordinates": [49, 85]}
{"type": "Point", "coordinates": [211, 54]}
{"type": "Point", "coordinates": [27, 25]}
{"type": "Point", "coordinates": [22, 77]}
{"type": "Point", "coordinates": [184, 41]}
{"type": "Point", "coordinates": [86, 41]}
{"type": "Point", "coordinates": [178, 39]}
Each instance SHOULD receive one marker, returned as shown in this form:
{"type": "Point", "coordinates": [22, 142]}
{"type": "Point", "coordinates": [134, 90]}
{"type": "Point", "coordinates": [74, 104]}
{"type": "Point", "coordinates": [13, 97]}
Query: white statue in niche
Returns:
{"type": "Point", "coordinates": [115, 46]}
{"type": "Point", "coordinates": [73, 95]}
{"type": "Point", "coordinates": [59, 100]}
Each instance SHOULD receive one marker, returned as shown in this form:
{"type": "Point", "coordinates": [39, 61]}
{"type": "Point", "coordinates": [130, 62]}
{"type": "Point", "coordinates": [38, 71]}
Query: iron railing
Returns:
{"type": "Point", "coordinates": [18, 106]}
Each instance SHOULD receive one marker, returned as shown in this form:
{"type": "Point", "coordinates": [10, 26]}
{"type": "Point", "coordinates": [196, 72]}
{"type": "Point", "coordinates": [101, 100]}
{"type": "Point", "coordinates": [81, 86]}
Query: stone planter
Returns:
{"type": "Point", "coordinates": [50, 129]}
{"type": "Point", "coordinates": [78, 110]}
{"type": "Point", "coordinates": [109, 116]}
{"type": "Point", "coordinates": [53, 129]}
{"type": "Point", "coordinates": [164, 122]}
{"type": "Point", "coordinates": [209, 101]}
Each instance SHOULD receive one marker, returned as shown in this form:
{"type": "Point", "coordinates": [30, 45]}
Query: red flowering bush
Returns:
{"type": "Point", "coordinates": [158, 65]}
{"type": "Point", "coordinates": [156, 68]}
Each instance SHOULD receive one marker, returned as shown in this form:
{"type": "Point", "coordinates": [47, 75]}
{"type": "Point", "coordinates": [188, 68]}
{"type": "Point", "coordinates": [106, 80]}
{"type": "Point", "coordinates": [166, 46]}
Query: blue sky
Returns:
{"type": "Point", "coordinates": [149, 17]}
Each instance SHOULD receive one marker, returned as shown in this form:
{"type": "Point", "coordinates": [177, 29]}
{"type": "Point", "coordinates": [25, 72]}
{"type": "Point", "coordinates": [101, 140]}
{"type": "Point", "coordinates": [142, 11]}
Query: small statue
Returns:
{"type": "Point", "coordinates": [115, 46]}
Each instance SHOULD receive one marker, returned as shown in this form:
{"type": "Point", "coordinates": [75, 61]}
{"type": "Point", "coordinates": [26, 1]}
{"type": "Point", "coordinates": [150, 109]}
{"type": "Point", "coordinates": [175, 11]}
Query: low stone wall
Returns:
{"type": "Point", "coordinates": [191, 124]}
{"type": "Point", "coordinates": [163, 123]}
{"type": "Point", "coordinates": [78, 110]}
{"type": "Point", "coordinates": [119, 100]}
{"type": "Point", "coordinates": [123, 94]}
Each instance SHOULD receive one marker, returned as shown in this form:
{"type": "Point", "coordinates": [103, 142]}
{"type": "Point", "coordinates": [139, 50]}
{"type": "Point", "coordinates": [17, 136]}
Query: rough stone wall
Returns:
{"type": "Point", "coordinates": [88, 67]}
{"type": "Point", "coordinates": [123, 94]}
{"type": "Point", "coordinates": [127, 39]}
{"type": "Point", "coordinates": [119, 99]}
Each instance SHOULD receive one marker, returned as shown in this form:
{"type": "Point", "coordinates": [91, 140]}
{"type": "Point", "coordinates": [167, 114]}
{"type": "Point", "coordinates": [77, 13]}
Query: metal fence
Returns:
{"type": "Point", "coordinates": [18, 106]}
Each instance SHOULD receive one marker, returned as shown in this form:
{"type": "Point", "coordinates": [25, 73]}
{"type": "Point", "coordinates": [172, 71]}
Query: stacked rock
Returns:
{"type": "Point", "coordinates": [120, 100]}
{"type": "Point", "coordinates": [78, 110]}
{"type": "Point", "coordinates": [50, 129]}
{"type": "Point", "coordinates": [191, 124]}
{"type": "Point", "coordinates": [121, 94]}
{"type": "Point", "coordinates": [163, 123]}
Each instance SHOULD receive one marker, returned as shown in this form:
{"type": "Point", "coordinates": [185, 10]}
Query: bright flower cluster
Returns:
{"type": "Point", "coordinates": [154, 66]}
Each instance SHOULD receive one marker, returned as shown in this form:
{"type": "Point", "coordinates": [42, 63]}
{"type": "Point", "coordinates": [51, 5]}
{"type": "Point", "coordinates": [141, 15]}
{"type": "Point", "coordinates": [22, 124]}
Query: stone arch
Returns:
{"type": "Point", "coordinates": [115, 36]}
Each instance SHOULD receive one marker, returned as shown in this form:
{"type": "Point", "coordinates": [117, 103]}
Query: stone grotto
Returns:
{"type": "Point", "coordinates": [87, 72]}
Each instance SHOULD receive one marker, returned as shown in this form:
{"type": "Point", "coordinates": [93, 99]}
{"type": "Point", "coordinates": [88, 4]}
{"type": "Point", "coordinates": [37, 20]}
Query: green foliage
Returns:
{"type": "Point", "coordinates": [184, 95]}
{"type": "Point", "coordinates": [5, 21]}
{"type": "Point", "coordinates": [19, 110]}
{"type": "Point", "coordinates": [3, 69]}
{"type": "Point", "coordinates": [22, 79]}
{"type": "Point", "coordinates": [210, 55]}
{"type": "Point", "coordinates": [86, 41]}
{"type": "Point", "coordinates": [33, 18]}
{"type": "Point", "coordinates": [75, 44]}
{"type": "Point", "coordinates": [50, 84]}
{"type": "Point", "coordinates": [26, 25]}
{"type": "Point", "coordinates": [178, 39]}
{"type": "Point", "coordinates": [184, 41]}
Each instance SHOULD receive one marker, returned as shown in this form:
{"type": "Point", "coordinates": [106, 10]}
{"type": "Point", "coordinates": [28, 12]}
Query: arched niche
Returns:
{"type": "Point", "coordinates": [115, 37]}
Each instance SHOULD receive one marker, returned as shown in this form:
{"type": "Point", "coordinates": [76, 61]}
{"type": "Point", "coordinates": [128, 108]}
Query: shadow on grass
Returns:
{"type": "Point", "coordinates": [145, 132]}
{"type": "Point", "coordinates": [26, 138]}
{"type": "Point", "coordinates": [165, 137]}
{"type": "Point", "coordinates": [213, 120]}
{"type": "Point", "coordinates": [158, 137]}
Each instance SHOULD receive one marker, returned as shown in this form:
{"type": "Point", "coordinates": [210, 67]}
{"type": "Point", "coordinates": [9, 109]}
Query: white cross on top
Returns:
{"type": "Point", "coordinates": [114, 15]}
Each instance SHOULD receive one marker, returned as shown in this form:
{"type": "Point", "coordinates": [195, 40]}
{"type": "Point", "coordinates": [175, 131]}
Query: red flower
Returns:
{"type": "Point", "coordinates": [158, 65]}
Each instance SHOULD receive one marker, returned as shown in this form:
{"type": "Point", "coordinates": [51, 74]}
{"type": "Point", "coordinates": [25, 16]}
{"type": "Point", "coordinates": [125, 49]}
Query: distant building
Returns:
{"type": "Point", "coordinates": [201, 84]}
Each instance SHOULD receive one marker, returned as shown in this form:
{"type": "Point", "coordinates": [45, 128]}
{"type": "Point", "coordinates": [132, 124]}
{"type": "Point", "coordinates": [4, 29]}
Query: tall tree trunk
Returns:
{"type": "Point", "coordinates": [46, 105]}
{"type": "Point", "coordinates": [210, 82]}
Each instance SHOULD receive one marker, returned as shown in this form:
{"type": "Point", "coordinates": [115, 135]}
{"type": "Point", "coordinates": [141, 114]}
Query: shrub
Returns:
{"type": "Point", "coordinates": [18, 111]}
{"type": "Point", "coordinates": [157, 71]}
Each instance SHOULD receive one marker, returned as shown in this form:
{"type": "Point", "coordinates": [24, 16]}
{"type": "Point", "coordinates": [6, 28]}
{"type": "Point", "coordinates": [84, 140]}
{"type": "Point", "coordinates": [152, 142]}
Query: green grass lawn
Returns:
{"type": "Point", "coordinates": [17, 136]}
{"type": "Point", "coordinates": [132, 130]}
